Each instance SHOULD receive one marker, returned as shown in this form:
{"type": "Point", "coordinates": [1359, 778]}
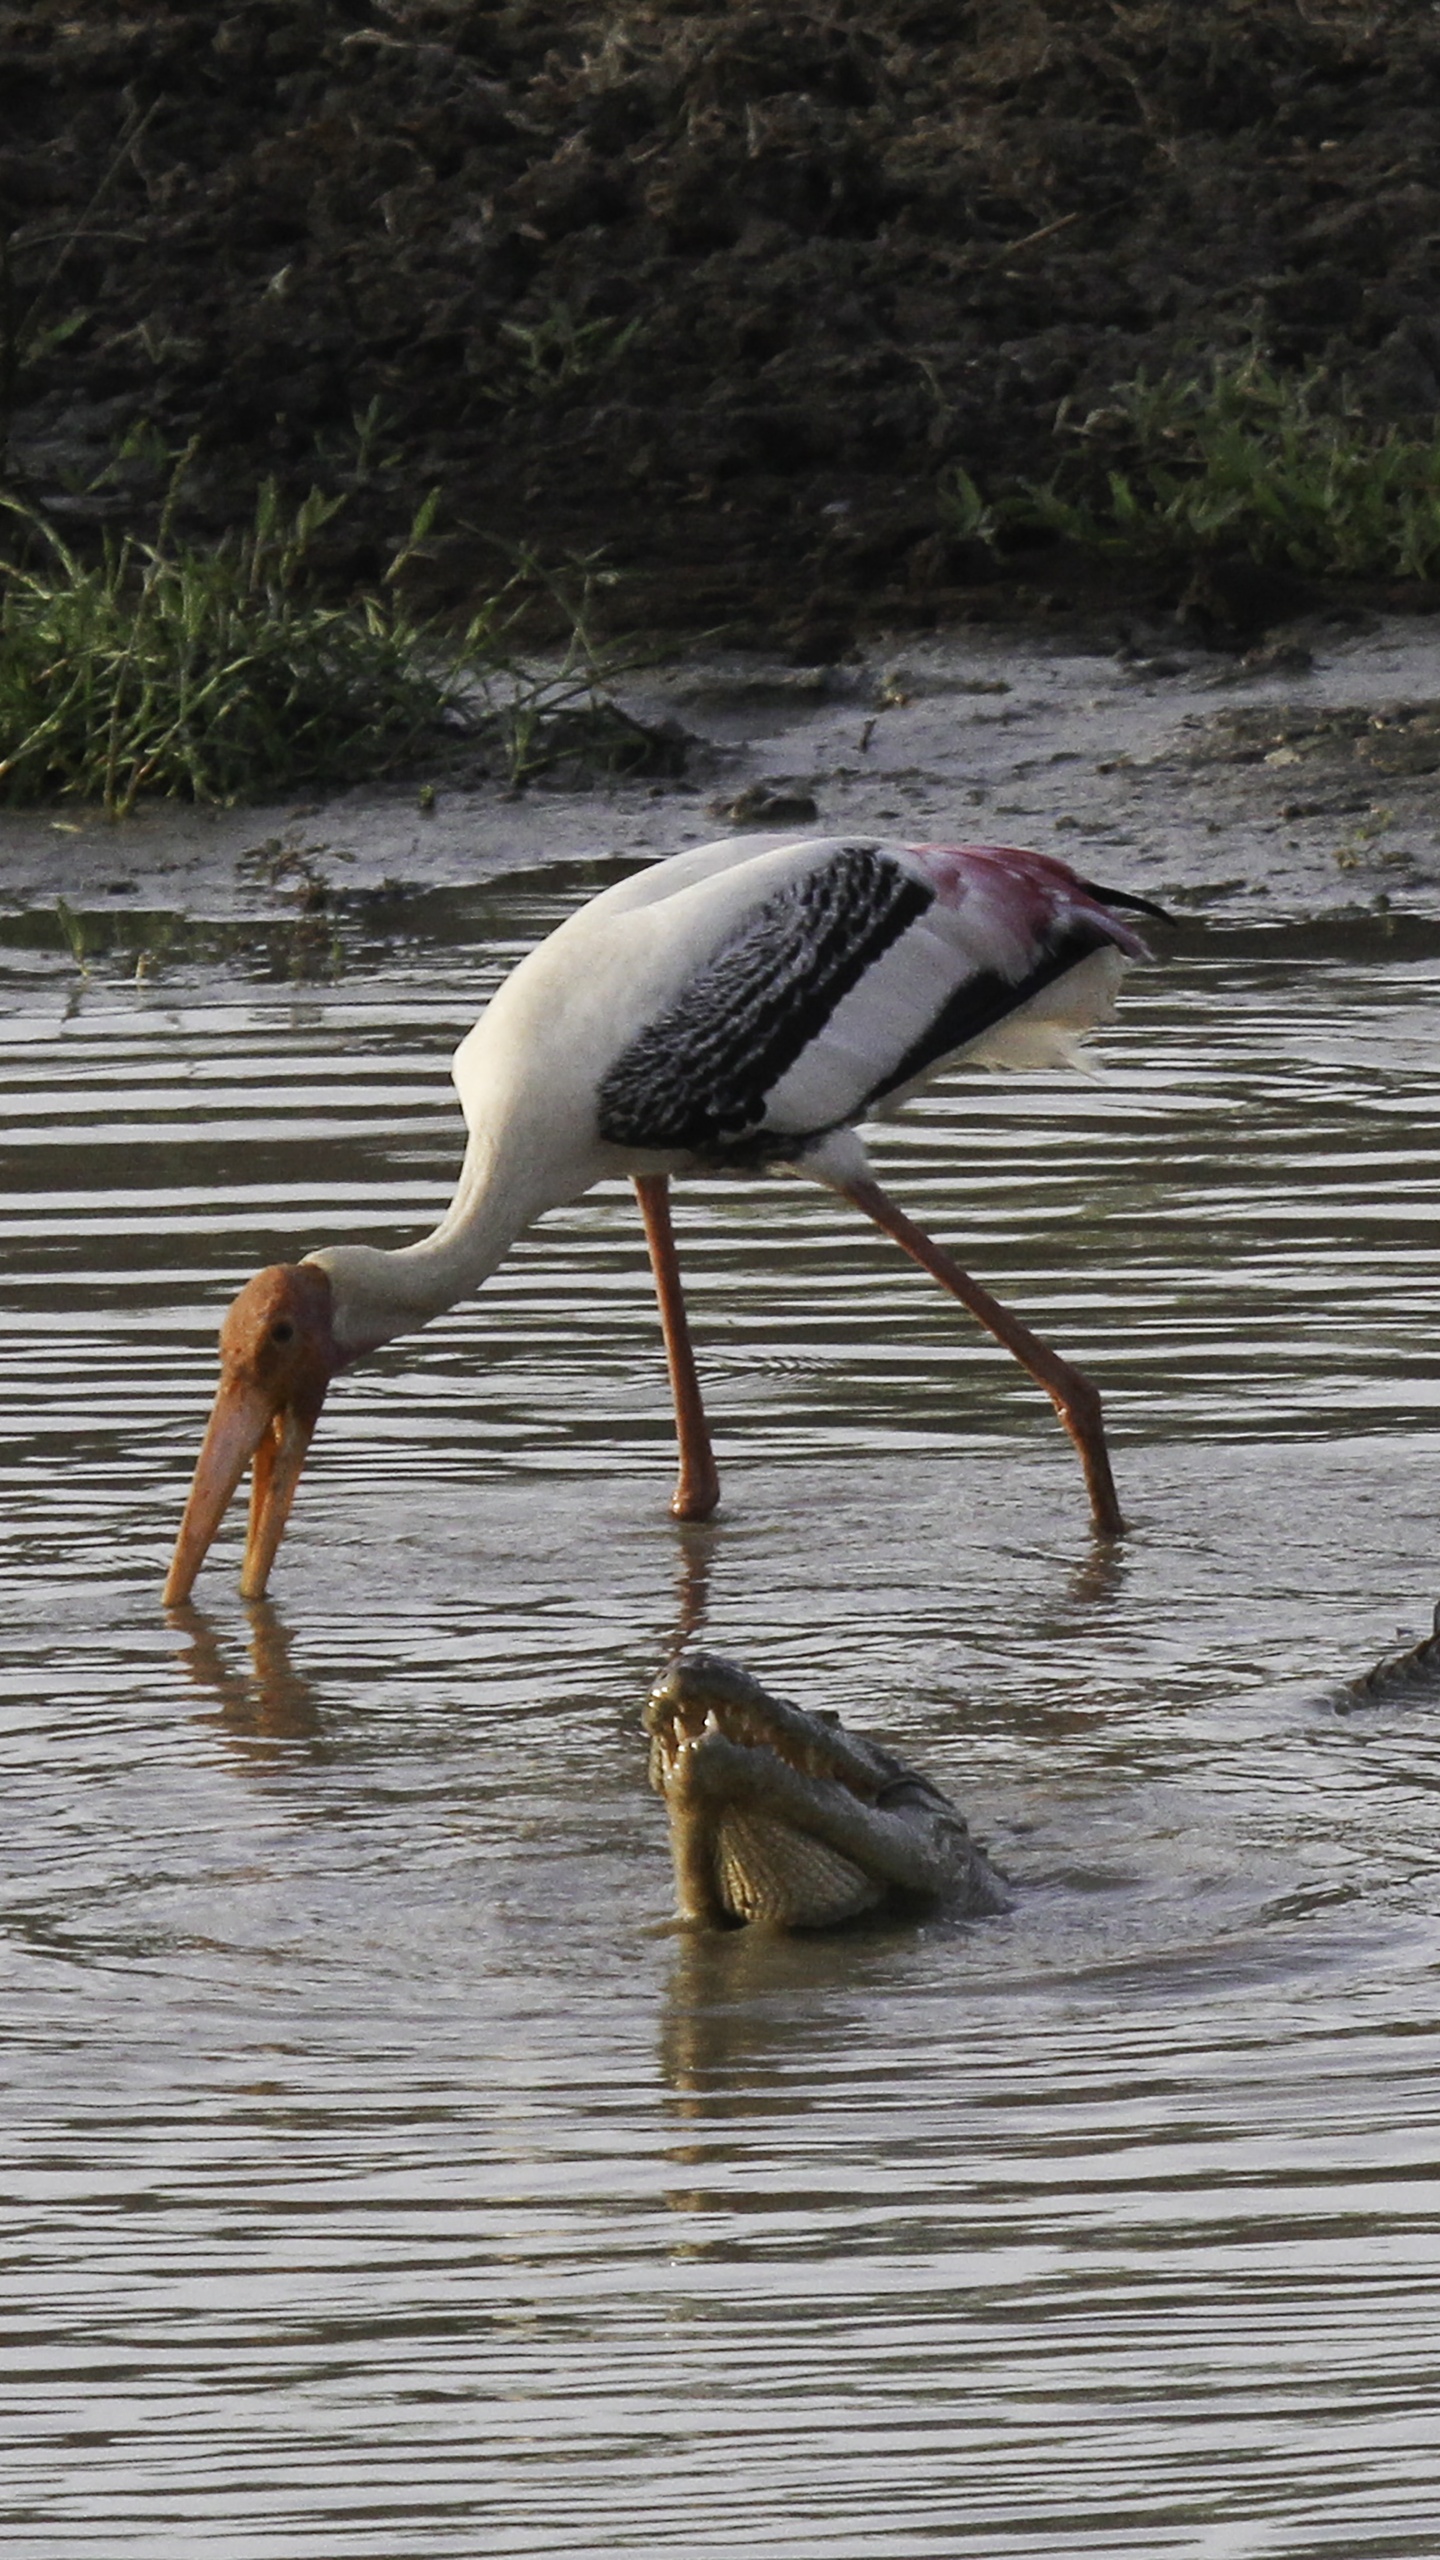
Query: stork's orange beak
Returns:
{"type": "Point", "coordinates": [277, 1358]}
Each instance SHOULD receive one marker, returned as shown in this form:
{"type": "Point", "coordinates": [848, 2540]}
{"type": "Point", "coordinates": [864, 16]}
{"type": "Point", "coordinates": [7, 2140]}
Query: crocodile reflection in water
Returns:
{"type": "Point", "coordinates": [783, 1816]}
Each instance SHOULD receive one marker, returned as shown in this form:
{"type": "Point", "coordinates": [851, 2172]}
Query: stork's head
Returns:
{"type": "Point", "coordinates": [277, 1358]}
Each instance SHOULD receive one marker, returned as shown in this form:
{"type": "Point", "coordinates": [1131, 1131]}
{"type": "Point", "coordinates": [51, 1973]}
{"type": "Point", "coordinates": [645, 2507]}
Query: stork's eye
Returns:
{"type": "Point", "coordinates": [284, 1331]}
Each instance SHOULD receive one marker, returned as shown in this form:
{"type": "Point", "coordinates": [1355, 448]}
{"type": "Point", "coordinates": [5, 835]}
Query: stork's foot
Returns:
{"type": "Point", "coordinates": [1075, 1400]}
{"type": "Point", "coordinates": [697, 1494]}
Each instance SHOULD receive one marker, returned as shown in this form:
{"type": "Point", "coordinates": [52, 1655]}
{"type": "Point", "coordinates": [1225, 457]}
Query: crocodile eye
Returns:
{"type": "Point", "coordinates": [284, 1331]}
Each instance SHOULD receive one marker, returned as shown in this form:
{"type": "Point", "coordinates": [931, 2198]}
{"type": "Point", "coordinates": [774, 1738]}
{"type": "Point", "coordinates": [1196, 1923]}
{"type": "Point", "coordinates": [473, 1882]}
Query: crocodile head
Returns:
{"type": "Point", "coordinates": [781, 1815]}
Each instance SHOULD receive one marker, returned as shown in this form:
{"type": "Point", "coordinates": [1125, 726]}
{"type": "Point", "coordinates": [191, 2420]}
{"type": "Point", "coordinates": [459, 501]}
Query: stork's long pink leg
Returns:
{"type": "Point", "coordinates": [698, 1488]}
{"type": "Point", "coordinates": [1075, 1400]}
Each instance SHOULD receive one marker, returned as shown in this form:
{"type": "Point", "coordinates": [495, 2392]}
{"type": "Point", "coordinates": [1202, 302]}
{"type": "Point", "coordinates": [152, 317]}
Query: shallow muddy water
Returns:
{"type": "Point", "coordinates": [387, 2175]}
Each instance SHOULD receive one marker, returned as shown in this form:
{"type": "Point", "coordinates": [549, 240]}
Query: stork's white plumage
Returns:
{"type": "Point", "coordinates": [728, 1009]}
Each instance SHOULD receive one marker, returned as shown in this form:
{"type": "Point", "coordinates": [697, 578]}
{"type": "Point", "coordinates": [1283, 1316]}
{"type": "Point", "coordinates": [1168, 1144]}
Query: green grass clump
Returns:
{"type": "Point", "coordinates": [213, 674]}
{"type": "Point", "coordinates": [1282, 467]}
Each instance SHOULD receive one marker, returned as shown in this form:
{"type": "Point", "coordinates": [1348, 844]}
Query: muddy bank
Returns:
{"type": "Point", "coordinates": [1298, 786]}
{"type": "Point", "coordinates": [724, 293]}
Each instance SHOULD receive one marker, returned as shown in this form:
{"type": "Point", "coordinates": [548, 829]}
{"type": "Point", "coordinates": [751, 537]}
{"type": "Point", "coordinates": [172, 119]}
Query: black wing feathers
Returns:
{"type": "Point", "coordinates": [697, 1077]}
{"type": "Point", "coordinates": [1126, 898]}
{"type": "Point", "coordinates": [981, 1001]}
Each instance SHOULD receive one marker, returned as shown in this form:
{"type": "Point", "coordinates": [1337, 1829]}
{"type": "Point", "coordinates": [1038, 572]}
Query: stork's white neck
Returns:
{"type": "Point", "coordinates": [377, 1295]}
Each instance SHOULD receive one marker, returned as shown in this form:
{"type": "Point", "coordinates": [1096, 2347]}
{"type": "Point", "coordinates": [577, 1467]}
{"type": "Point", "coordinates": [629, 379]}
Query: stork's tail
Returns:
{"type": "Point", "coordinates": [1126, 898]}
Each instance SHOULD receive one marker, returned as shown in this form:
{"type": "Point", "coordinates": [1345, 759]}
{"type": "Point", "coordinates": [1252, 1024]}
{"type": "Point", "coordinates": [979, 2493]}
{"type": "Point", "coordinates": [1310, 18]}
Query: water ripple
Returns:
{"type": "Point", "coordinates": [386, 2177]}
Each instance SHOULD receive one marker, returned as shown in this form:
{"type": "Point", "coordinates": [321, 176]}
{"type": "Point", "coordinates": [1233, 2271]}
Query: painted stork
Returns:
{"type": "Point", "coordinates": [731, 1008]}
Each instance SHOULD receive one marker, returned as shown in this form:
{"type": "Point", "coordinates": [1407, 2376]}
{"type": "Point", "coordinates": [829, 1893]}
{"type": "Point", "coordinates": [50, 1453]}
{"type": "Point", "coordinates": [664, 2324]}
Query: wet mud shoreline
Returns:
{"type": "Point", "coordinates": [1302, 785]}
{"type": "Point", "coordinates": [723, 299]}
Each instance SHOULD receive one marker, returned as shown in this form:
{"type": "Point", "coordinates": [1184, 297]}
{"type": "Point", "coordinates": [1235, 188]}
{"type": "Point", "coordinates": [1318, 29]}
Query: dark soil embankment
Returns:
{"type": "Point", "coordinates": [722, 290]}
